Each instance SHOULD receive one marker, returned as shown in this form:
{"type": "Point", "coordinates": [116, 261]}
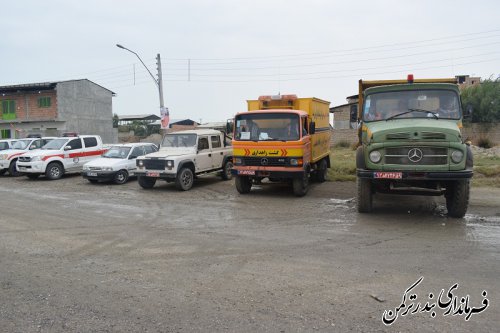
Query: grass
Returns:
{"type": "Point", "coordinates": [343, 168]}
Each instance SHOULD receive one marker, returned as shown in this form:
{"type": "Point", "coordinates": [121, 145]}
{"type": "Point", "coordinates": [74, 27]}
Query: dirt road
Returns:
{"type": "Point", "coordinates": [94, 258]}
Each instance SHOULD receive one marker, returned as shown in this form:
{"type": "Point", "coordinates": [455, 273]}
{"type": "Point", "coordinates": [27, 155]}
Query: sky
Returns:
{"type": "Point", "coordinates": [217, 54]}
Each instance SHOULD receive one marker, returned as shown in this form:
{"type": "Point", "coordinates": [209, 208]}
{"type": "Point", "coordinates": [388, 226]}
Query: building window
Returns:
{"type": "Point", "coordinates": [5, 133]}
{"type": "Point", "coordinates": [44, 102]}
{"type": "Point", "coordinates": [8, 109]}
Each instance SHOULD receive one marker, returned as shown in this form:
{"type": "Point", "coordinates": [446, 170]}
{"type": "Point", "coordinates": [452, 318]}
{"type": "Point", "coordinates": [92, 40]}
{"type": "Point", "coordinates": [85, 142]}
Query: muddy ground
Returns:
{"type": "Point", "coordinates": [80, 257]}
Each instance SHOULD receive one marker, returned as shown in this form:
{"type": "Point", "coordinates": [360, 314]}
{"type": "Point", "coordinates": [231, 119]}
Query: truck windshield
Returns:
{"type": "Point", "coordinates": [117, 152]}
{"type": "Point", "coordinates": [267, 127]}
{"type": "Point", "coordinates": [55, 144]}
{"type": "Point", "coordinates": [175, 140]}
{"type": "Point", "coordinates": [21, 144]}
{"type": "Point", "coordinates": [438, 104]}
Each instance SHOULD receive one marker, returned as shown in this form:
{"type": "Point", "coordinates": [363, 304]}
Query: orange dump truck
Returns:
{"type": "Point", "coordinates": [284, 139]}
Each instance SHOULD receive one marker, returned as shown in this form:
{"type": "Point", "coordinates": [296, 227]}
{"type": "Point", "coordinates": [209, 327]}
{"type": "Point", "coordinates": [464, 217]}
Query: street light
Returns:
{"type": "Point", "coordinates": [158, 82]}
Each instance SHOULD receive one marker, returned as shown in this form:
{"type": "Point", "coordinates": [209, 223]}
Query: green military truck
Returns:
{"type": "Point", "coordinates": [410, 142]}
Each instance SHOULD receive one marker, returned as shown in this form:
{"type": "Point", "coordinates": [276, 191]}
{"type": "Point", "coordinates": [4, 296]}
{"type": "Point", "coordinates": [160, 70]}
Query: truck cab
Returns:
{"type": "Point", "coordinates": [411, 142]}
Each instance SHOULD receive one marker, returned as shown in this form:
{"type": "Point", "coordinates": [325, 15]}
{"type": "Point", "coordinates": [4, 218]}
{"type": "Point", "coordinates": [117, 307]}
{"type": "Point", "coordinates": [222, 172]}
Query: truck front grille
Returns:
{"type": "Point", "coordinates": [154, 164]}
{"type": "Point", "coordinates": [265, 161]}
{"type": "Point", "coordinates": [416, 155]}
{"type": "Point", "coordinates": [24, 159]}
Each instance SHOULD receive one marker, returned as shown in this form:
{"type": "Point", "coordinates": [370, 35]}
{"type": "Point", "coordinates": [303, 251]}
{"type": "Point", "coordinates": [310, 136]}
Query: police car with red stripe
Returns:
{"type": "Point", "coordinates": [61, 156]}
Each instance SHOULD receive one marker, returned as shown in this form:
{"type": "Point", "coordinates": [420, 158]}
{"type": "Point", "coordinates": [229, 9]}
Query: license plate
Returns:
{"type": "Point", "coordinates": [388, 175]}
{"type": "Point", "coordinates": [92, 174]}
{"type": "Point", "coordinates": [152, 174]}
{"type": "Point", "coordinates": [246, 172]}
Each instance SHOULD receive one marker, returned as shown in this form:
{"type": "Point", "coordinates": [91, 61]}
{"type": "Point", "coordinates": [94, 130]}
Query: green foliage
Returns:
{"type": "Point", "coordinates": [485, 142]}
{"type": "Point", "coordinates": [484, 100]}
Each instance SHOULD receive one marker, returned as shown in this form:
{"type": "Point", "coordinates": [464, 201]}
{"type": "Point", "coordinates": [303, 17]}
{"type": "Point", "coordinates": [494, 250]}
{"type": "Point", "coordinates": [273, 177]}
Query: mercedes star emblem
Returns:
{"type": "Point", "coordinates": [264, 161]}
{"type": "Point", "coordinates": [415, 155]}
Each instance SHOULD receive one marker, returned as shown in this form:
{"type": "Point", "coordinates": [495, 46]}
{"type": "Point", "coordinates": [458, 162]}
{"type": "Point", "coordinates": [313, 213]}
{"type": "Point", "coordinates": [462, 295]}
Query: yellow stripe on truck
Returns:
{"type": "Point", "coordinates": [278, 152]}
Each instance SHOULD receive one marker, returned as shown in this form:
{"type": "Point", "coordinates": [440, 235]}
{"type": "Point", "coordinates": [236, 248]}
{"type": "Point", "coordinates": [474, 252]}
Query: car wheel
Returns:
{"type": "Point", "coordinates": [146, 182]}
{"type": "Point", "coordinates": [12, 169]}
{"type": "Point", "coordinates": [184, 180]}
{"type": "Point", "coordinates": [121, 177]}
{"type": "Point", "coordinates": [54, 171]}
{"type": "Point", "coordinates": [226, 171]}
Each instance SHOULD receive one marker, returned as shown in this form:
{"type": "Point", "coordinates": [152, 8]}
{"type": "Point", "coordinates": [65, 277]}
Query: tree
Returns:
{"type": "Point", "coordinates": [484, 100]}
{"type": "Point", "coordinates": [116, 119]}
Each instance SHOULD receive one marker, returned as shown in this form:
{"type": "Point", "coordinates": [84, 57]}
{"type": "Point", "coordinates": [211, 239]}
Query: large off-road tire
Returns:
{"type": "Point", "coordinates": [321, 171]}
{"type": "Point", "coordinates": [457, 198]}
{"type": "Point", "coordinates": [146, 182]}
{"type": "Point", "coordinates": [54, 171]}
{"type": "Point", "coordinates": [12, 169]}
{"type": "Point", "coordinates": [301, 185]}
{"type": "Point", "coordinates": [121, 177]}
{"type": "Point", "coordinates": [226, 171]}
{"type": "Point", "coordinates": [32, 175]}
{"type": "Point", "coordinates": [184, 180]}
{"type": "Point", "coordinates": [365, 195]}
{"type": "Point", "coordinates": [243, 184]}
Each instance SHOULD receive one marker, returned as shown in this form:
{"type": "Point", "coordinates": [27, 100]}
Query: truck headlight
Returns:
{"type": "Point", "coordinates": [170, 164]}
{"type": "Point", "coordinates": [457, 156]}
{"type": "Point", "coordinates": [36, 159]}
{"type": "Point", "coordinates": [3, 156]}
{"type": "Point", "coordinates": [375, 156]}
{"type": "Point", "coordinates": [294, 161]}
{"type": "Point", "coordinates": [140, 163]}
{"type": "Point", "coordinates": [238, 161]}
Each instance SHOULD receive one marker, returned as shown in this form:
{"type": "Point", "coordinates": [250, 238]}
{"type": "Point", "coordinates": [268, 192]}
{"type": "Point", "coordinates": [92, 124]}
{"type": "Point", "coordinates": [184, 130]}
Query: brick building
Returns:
{"type": "Point", "coordinates": [52, 108]}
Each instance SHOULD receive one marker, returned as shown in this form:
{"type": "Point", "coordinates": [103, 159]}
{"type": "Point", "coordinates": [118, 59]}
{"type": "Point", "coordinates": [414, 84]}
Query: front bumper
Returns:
{"type": "Point", "coordinates": [99, 175]}
{"type": "Point", "coordinates": [416, 175]}
{"type": "Point", "coordinates": [270, 172]}
{"type": "Point", "coordinates": [31, 167]}
{"type": "Point", "coordinates": [156, 174]}
{"type": "Point", "coordinates": [4, 164]}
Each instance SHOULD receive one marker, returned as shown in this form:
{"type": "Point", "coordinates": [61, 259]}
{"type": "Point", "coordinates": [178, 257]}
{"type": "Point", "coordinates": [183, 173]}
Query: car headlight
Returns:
{"type": "Point", "coordinates": [375, 156]}
{"type": "Point", "coordinates": [35, 159]}
{"type": "Point", "coordinates": [107, 169]}
{"type": "Point", "coordinates": [86, 167]}
{"type": "Point", "coordinates": [457, 156]}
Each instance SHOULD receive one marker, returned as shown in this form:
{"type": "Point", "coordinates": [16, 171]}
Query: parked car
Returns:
{"type": "Point", "coordinates": [60, 156]}
{"type": "Point", "coordinates": [118, 163]}
{"type": "Point", "coordinates": [6, 144]}
{"type": "Point", "coordinates": [9, 157]}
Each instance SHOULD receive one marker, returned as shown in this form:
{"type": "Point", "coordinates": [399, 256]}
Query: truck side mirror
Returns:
{"type": "Point", "coordinates": [353, 115]}
{"type": "Point", "coordinates": [312, 127]}
{"type": "Point", "coordinates": [229, 126]}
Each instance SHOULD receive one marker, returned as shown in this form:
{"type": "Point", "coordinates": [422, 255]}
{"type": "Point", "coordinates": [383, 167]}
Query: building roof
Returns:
{"type": "Point", "coordinates": [42, 86]}
{"type": "Point", "coordinates": [150, 116]}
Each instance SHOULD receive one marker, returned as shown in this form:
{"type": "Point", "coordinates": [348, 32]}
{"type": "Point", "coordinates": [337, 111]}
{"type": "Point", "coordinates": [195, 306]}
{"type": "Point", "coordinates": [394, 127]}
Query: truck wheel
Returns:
{"type": "Point", "coordinates": [301, 185]}
{"type": "Point", "coordinates": [146, 182]}
{"type": "Point", "coordinates": [184, 180]}
{"type": "Point", "coordinates": [54, 171]}
{"type": "Point", "coordinates": [12, 169]}
{"type": "Point", "coordinates": [226, 171]}
{"type": "Point", "coordinates": [321, 171]}
{"type": "Point", "coordinates": [121, 177]}
{"type": "Point", "coordinates": [365, 195]}
{"type": "Point", "coordinates": [243, 184]}
{"type": "Point", "coordinates": [457, 198]}
{"type": "Point", "coordinates": [32, 175]}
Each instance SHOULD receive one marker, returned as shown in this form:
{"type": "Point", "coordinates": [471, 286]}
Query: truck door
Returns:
{"type": "Point", "coordinates": [204, 156]}
{"type": "Point", "coordinates": [217, 152]}
{"type": "Point", "coordinates": [73, 152]}
{"type": "Point", "coordinates": [90, 150]}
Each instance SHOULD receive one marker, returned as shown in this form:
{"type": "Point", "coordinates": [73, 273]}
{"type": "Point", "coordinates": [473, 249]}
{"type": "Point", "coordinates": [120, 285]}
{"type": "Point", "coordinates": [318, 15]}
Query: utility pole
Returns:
{"type": "Point", "coordinates": [160, 81]}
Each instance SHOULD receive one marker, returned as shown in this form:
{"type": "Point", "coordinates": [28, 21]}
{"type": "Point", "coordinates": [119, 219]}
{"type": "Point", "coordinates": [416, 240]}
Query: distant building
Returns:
{"type": "Point", "coordinates": [465, 81]}
{"type": "Point", "coordinates": [53, 108]}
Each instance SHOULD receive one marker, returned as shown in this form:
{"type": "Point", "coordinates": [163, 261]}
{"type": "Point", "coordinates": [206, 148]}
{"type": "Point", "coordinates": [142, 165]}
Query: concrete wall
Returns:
{"type": "Point", "coordinates": [86, 108]}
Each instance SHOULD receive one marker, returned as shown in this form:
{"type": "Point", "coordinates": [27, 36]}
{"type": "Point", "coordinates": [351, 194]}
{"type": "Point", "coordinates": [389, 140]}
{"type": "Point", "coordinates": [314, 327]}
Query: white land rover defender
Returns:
{"type": "Point", "coordinates": [184, 155]}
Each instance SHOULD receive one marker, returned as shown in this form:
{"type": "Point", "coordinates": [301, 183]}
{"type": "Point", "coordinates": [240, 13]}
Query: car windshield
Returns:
{"type": "Point", "coordinates": [55, 144]}
{"type": "Point", "coordinates": [436, 104]}
{"type": "Point", "coordinates": [267, 127]}
{"type": "Point", "coordinates": [179, 140]}
{"type": "Point", "coordinates": [117, 152]}
{"type": "Point", "coordinates": [21, 144]}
